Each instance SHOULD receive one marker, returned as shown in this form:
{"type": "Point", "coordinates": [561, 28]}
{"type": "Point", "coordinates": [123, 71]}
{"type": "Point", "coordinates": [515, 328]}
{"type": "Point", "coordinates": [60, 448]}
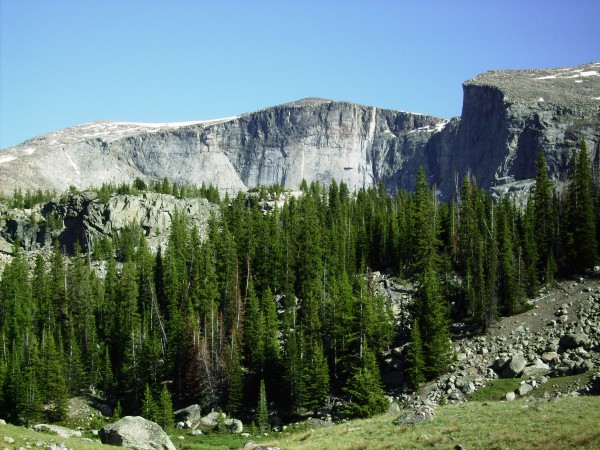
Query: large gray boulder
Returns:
{"type": "Point", "coordinates": [234, 426]}
{"type": "Point", "coordinates": [573, 340]}
{"type": "Point", "coordinates": [415, 415]}
{"type": "Point", "coordinates": [192, 413]}
{"type": "Point", "coordinates": [211, 420]}
{"type": "Point", "coordinates": [514, 367]}
{"type": "Point", "coordinates": [137, 433]}
{"type": "Point", "coordinates": [538, 367]}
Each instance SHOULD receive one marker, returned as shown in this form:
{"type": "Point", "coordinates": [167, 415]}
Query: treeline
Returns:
{"type": "Point", "coordinates": [285, 297]}
{"type": "Point", "coordinates": [30, 198]}
{"type": "Point", "coordinates": [179, 190]}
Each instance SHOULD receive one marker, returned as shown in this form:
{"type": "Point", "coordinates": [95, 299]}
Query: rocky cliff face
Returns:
{"type": "Point", "coordinates": [82, 218]}
{"type": "Point", "coordinates": [508, 117]}
{"type": "Point", "coordinates": [312, 139]}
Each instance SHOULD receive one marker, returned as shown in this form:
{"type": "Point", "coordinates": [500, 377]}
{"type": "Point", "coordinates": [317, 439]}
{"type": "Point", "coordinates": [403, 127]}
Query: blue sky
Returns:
{"type": "Point", "coordinates": [63, 63]}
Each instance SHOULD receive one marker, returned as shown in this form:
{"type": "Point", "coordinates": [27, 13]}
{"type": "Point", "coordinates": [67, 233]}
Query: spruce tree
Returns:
{"type": "Point", "coordinates": [582, 225]}
{"type": "Point", "coordinates": [433, 323]}
{"type": "Point", "coordinates": [149, 408]}
{"type": "Point", "coordinates": [165, 409]}
{"type": "Point", "coordinates": [414, 359]}
{"type": "Point", "coordinates": [55, 383]}
{"type": "Point", "coordinates": [365, 391]}
{"type": "Point", "coordinates": [262, 412]}
{"type": "Point", "coordinates": [315, 378]}
{"type": "Point", "coordinates": [544, 219]}
{"type": "Point", "coordinates": [424, 225]}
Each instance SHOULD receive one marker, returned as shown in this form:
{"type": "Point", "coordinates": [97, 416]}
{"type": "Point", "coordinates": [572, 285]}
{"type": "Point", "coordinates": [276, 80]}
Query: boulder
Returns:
{"type": "Point", "coordinates": [415, 415]}
{"type": "Point", "coordinates": [525, 388]}
{"type": "Point", "coordinates": [211, 420]}
{"type": "Point", "coordinates": [537, 368]}
{"type": "Point", "coordinates": [234, 426]}
{"type": "Point", "coordinates": [548, 357]}
{"type": "Point", "coordinates": [193, 413]}
{"type": "Point", "coordinates": [573, 340]}
{"type": "Point", "coordinates": [510, 396]}
{"type": "Point", "coordinates": [515, 366]}
{"type": "Point", "coordinates": [137, 433]}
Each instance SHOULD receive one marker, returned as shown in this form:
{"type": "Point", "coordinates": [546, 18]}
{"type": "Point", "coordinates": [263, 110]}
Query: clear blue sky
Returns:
{"type": "Point", "coordinates": [63, 63]}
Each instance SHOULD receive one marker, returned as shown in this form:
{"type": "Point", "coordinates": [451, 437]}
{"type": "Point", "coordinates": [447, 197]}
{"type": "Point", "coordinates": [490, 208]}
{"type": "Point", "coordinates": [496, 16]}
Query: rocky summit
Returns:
{"type": "Point", "coordinates": [508, 116]}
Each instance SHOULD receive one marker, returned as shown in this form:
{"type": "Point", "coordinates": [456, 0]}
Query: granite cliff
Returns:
{"type": "Point", "coordinates": [508, 117]}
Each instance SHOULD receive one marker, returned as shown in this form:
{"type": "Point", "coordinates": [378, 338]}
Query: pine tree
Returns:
{"type": "Point", "coordinates": [582, 225]}
{"type": "Point", "coordinates": [365, 391]}
{"type": "Point", "coordinates": [424, 225]}
{"type": "Point", "coordinates": [262, 412]}
{"type": "Point", "coordinates": [55, 383]}
{"type": "Point", "coordinates": [254, 330]}
{"type": "Point", "coordinates": [165, 409]}
{"type": "Point", "coordinates": [29, 402]}
{"type": "Point", "coordinates": [509, 289]}
{"type": "Point", "coordinates": [544, 221]}
{"type": "Point", "coordinates": [414, 359]}
{"type": "Point", "coordinates": [235, 387]}
{"type": "Point", "coordinates": [433, 324]}
{"type": "Point", "coordinates": [150, 410]}
{"type": "Point", "coordinates": [117, 412]}
{"type": "Point", "coordinates": [315, 378]}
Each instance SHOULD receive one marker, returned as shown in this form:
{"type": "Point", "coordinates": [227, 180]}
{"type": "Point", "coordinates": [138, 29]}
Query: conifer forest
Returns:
{"type": "Point", "coordinates": [276, 308]}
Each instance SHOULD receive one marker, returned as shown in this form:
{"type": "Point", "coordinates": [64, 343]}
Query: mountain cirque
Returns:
{"type": "Point", "coordinates": [507, 117]}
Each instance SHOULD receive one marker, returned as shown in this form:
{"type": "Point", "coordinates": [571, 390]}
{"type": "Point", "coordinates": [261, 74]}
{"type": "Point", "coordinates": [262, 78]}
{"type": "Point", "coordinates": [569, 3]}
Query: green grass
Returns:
{"type": "Point", "coordinates": [26, 436]}
{"type": "Point", "coordinates": [558, 424]}
{"type": "Point", "coordinates": [495, 390]}
{"type": "Point", "coordinates": [211, 441]}
{"type": "Point", "coordinates": [562, 384]}
{"type": "Point", "coordinates": [531, 423]}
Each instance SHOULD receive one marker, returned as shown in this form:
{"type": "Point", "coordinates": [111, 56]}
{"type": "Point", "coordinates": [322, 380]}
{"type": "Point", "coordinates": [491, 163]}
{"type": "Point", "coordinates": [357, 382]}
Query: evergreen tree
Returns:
{"type": "Point", "coordinates": [262, 412]}
{"type": "Point", "coordinates": [117, 412]}
{"type": "Point", "coordinates": [582, 225]}
{"type": "Point", "coordinates": [165, 409]}
{"type": "Point", "coordinates": [425, 225]}
{"type": "Point", "coordinates": [414, 359]}
{"type": "Point", "coordinates": [509, 289]}
{"type": "Point", "coordinates": [433, 324]}
{"type": "Point", "coordinates": [315, 378]}
{"type": "Point", "coordinates": [150, 410]}
{"type": "Point", "coordinates": [544, 221]}
{"type": "Point", "coordinates": [55, 383]}
{"type": "Point", "coordinates": [365, 391]}
{"type": "Point", "coordinates": [235, 388]}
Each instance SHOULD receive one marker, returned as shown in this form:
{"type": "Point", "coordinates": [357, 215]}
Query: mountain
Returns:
{"type": "Point", "coordinates": [508, 116]}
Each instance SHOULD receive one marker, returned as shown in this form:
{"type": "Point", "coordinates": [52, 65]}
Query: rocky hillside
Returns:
{"type": "Point", "coordinates": [559, 336]}
{"type": "Point", "coordinates": [507, 118]}
{"type": "Point", "coordinates": [84, 218]}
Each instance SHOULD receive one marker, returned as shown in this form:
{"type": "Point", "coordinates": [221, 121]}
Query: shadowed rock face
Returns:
{"type": "Point", "coordinates": [508, 117]}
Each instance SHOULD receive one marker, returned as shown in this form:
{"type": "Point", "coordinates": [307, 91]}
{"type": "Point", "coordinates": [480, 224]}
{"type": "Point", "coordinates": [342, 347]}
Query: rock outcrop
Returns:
{"type": "Point", "coordinates": [83, 218]}
{"type": "Point", "coordinates": [508, 116]}
{"type": "Point", "coordinates": [137, 433]}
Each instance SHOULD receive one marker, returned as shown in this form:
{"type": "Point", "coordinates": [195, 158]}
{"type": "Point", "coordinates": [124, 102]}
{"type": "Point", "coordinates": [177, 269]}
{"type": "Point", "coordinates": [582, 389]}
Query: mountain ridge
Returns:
{"type": "Point", "coordinates": [508, 116]}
